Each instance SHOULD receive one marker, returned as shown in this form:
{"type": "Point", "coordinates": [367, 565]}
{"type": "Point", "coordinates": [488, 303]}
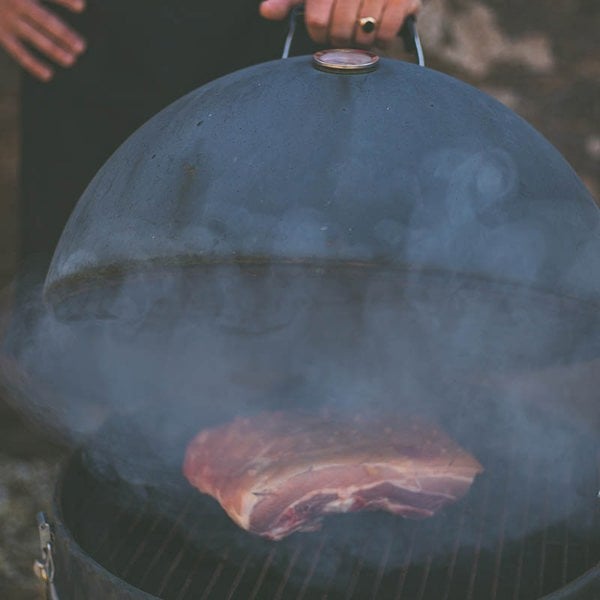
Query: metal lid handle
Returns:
{"type": "Point", "coordinates": [408, 33]}
{"type": "Point", "coordinates": [412, 41]}
{"type": "Point", "coordinates": [295, 14]}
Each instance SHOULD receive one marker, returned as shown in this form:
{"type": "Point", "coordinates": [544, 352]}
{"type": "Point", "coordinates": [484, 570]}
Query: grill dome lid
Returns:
{"type": "Point", "coordinates": [282, 162]}
{"type": "Point", "coordinates": [394, 229]}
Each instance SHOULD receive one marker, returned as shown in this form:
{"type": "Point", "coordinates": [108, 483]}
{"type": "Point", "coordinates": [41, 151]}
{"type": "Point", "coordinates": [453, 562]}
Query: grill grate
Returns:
{"type": "Point", "coordinates": [508, 539]}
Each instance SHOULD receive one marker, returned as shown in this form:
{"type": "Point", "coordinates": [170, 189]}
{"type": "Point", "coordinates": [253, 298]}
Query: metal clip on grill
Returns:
{"type": "Point", "coordinates": [44, 567]}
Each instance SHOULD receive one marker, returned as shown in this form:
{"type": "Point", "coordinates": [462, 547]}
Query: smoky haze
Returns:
{"type": "Point", "coordinates": [169, 351]}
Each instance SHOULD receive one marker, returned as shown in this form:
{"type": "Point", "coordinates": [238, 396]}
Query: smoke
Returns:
{"type": "Point", "coordinates": [156, 356]}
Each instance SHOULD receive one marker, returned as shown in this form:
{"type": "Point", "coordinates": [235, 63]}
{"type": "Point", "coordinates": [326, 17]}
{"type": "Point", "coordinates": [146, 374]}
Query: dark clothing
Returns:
{"type": "Point", "coordinates": [142, 55]}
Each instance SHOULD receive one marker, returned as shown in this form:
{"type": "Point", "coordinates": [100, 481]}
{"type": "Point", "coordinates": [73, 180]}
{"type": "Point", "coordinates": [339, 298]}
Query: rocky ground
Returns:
{"type": "Point", "coordinates": [541, 58]}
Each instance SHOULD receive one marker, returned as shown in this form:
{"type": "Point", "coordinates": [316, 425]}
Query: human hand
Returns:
{"type": "Point", "coordinates": [26, 23]}
{"type": "Point", "coordinates": [337, 21]}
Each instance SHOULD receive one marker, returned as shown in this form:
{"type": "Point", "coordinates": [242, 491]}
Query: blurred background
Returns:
{"type": "Point", "coordinates": [541, 58]}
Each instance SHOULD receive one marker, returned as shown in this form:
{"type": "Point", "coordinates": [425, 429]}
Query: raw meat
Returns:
{"type": "Point", "coordinates": [281, 472]}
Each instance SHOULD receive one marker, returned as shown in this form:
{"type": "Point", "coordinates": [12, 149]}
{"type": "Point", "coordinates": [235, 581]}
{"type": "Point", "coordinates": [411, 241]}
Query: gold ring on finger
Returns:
{"type": "Point", "coordinates": [367, 24]}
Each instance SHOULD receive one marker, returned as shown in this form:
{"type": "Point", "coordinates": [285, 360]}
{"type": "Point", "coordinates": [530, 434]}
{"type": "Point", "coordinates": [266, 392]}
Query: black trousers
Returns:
{"type": "Point", "coordinates": [142, 55]}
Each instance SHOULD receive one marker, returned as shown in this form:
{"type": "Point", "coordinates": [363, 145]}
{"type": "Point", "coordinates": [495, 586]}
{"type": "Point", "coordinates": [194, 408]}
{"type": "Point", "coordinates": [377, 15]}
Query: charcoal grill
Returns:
{"type": "Point", "coordinates": [417, 182]}
{"type": "Point", "coordinates": [508, 539]}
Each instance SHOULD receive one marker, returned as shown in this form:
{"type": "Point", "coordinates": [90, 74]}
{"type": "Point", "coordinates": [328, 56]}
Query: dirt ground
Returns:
{"type": "Point", "coordinates": [541, 58]}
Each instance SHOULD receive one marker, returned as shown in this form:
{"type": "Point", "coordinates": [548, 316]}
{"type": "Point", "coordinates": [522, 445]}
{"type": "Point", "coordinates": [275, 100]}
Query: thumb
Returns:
{"type": "Point", "coordinates": [276, 10]}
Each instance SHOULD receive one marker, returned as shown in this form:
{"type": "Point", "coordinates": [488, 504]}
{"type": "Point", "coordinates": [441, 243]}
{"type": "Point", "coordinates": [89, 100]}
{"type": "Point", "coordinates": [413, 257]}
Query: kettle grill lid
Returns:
{"type": "Point", "coordinates": [283, 162]}
{"type": "Point", "coordinates": [401, 167]}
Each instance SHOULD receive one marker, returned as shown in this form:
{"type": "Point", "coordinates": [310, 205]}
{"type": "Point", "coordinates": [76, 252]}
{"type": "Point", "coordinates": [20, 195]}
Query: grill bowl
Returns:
{"type": "Point", "coordinates": [524, 531]}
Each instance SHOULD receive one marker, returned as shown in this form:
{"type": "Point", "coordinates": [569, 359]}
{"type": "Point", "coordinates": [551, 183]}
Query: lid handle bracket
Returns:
{"type": "Point", "coordinates": [408, 33]}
